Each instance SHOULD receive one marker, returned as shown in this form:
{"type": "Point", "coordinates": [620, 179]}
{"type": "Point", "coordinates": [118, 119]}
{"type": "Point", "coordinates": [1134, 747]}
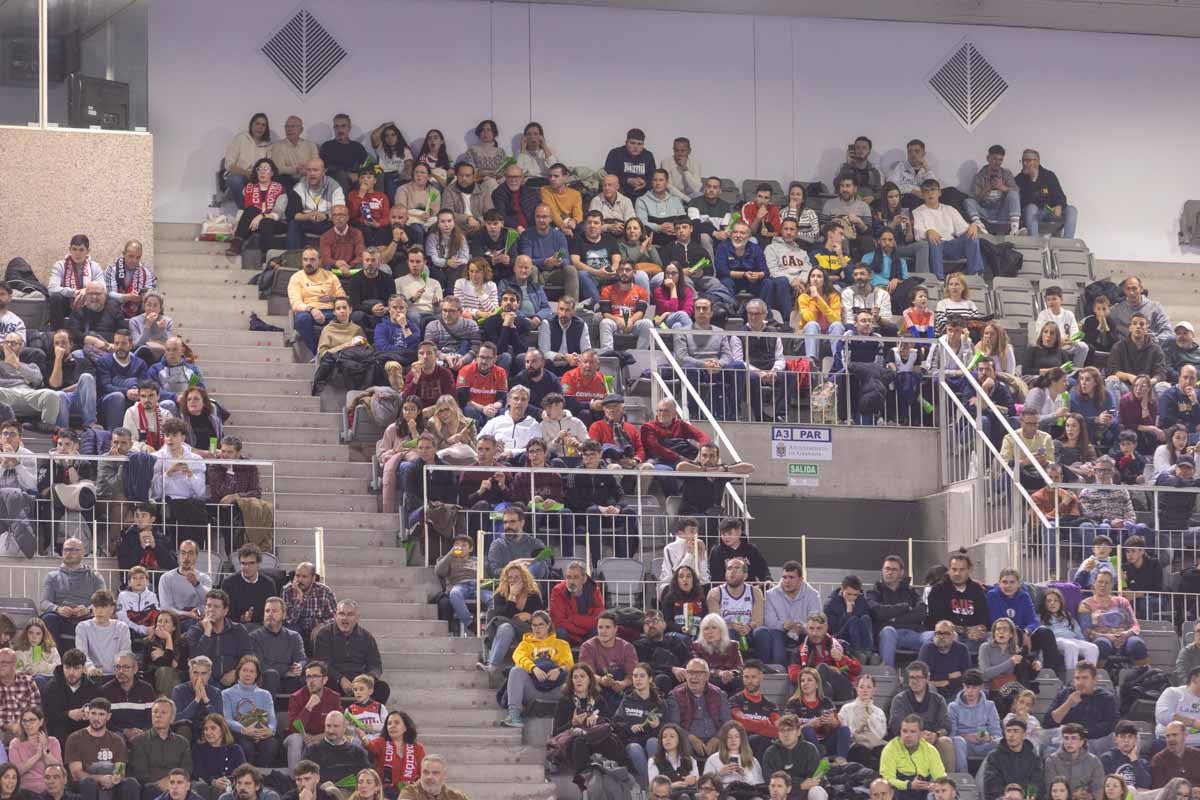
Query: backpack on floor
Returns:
{"type": "Point", "coordinates": [1143, 683]}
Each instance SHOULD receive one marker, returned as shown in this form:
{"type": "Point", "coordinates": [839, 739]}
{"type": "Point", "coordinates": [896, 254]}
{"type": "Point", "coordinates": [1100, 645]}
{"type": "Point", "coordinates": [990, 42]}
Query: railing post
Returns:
{"type": "Point", "coordinates": [638, 481]}
{"type": "Point", "coordinates": [479, 562]}
{"type": "Point", "coordinates": [208, 542]}
{"type": "Point", "coordinates": [980, 470]}
{"type": "Point", "coordinates": [1056, 532]}
{"type": "Point", "coordinates": [95, 540]}
{"type": "Point", "coordinates": [912, 570]}
{"type": "Point", "coordinates": [804, 555]}
{"type": "Point", "coordinates": [1014, 523]}
{"type": "Point", "coordinates": [424, 516]}
{"type": "Point", "coordinates": [319, 547]}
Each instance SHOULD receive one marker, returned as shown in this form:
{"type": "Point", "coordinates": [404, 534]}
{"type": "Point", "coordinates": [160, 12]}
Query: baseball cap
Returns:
{"type": "Point", "coordinates": [1186, 460]}
{"type": "Point", "coordinates": [1186, 326]}
{"type": "Point", "coordinates": [613, 398]}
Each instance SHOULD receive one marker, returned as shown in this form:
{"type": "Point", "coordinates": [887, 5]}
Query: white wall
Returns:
{"type": "Point", "coordinates": [767, 97]}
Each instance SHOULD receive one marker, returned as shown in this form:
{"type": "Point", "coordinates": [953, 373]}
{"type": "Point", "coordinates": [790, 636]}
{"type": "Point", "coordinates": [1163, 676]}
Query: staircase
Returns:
{"type": "Point", "coordinates": [432, 675]}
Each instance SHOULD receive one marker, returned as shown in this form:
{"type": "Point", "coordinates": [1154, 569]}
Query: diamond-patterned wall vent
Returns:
{"type": "Point", "coordinates": [303, 51]}
{"type": "Point", "coordinates": [968, 85]}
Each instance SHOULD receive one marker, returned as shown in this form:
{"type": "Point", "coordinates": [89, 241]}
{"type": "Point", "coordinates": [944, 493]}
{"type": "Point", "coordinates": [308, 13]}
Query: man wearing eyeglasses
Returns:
{"type": "Point", "coordinates": [66, 591]}
{"type": "Point", "coordinates": [248, 590]}
{"type": "Point", "coordinates": [131, 698]}
{"type": "Point", "coordinates": [17, 692]}
{"type": "Point", "coordinates": [307, 708]}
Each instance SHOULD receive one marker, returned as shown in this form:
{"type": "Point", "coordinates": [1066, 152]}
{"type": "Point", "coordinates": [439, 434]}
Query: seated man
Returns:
{"type": "Point", "coordinates": [737, 602]}
{"type": "Point", "coordinates": [832, 255]}
{"type": "Point", "coordinates": [179, 481]}
{"type": "Point", "coordinates": [219, 638]}
{"type": "Point", "coordinates": [466, 199]}
{"type": "Point", "coordinates": [712, 362]}
{"type": "Point", "coordinates": [563, 339]}
{"type": "Point", "coordinates": [127, 279]}
{"type": "Point", "coordinates": [157, 754]}
{"type": "Point", "coordinates": [764, 361]}
{"type": "Point", "coordinates": [1178, 404]}
{"type": "Point", "coordinates": [666, 654]}
{"type": "Point", "coordinates": [1176, 760]}
{"type": "Point", "coordinates": [517, 545]}
{"type": "Point", "coordinates": [948, 234]}
{"type": "Point", "coordinates": [910, 762]}
{"type": "Point", "coordinates": [343, 155]}
{"type": "Point", "coordinates": [704, 496]}
{"type": "Point", "coordinates": [102, 637]}
{"type": "Point", "coordinates": [482, 385]}
{"type": "Point", "coordinates": [318, 195]}
{"type": "Point", "coordinates": [495, 244]}
{"type": "Point", "coordinates": [995, 198]}
{"type": "Point", "coordinates": [185, 588]}
{"type": "Point", "coordinates": [130, 697]}
{"type": "Point", "coordinates": [21, 387]}
{"type": "Point", "coordinates": [740, 266]}
{"type": "Point", "coordinates": [762, 215]}
{"type": "Point", "coordinates": [787, 257]}
{"type": "Point", "coordinates": [146, 418]}
{"type": "Point", "coordinates": [292, 152]}
{"type": "Point", "coordinates": [308, 707]}
{"type": "Point", "coordinates": [339, 758]}
{"type": "Point", "coordinates": [1125, 759]}
{"type": "Point", "coordinates": [786, 609]}
{"type": "Point", "coordinates": [584, 387]}
{"type": "Point", "coordinates": [96, 757]}
{"type": "Point", "coordinates": [341, 246]}
{"type": "Point", "coordinates": [566, 204]}
{"type": "Point", "coordinates": [669, 439]}
{"type": "Point", "coordinates": [248, 588]}
{"type": "Point", "coordinates": [757, 714]}
{"type": "Point", "coordinates": [395, 334]}
{"type": "Point", "coordinates": [68, 278]}
{"type": "Point", "coordinates": [597, 494]}
{"type": "Point", "coordinates": [850, 619]}
{"type": "Point", "coordinates": [174, 374]}
{"type": "Point", "coordinates": [66, 696]}
{"type": "Point", "coordinates": [858, 165]}
{"type": "Point", "coordinates": [624, 307]}
{"type": "Point", "coordinates": [613, 206]}
{"type": "Point", "coordinates": [828, 655]}
{"type": "Point", "coordinates": [659, 209]}
{"type": "Point", "coordinates": [699, 708]}
{"type": "Point", "coordinates": [311, 293]}
{"type": "Point", "coordinates": [1136, 354]}
{"type": "Point", "coordinates": [611, 658]}
{"type": "Point", "coordinates": [428, 380]}
{"type": "Point", "coordinates": [632, 163]}
{"type": "Point", "coordinates": [547, 248]}
{"type": "Point", "coordinates": [506, 330]}
{"type": "Point", "coordinates": [281, 649]}
{"type": "Point", "coordinates": [898, 608]}
{"type": "Point", "coordinates": [1137, 301]}
{"type": "Point", "coordinates": [620, 440]}
{"type": "Point", "coordinates": [118, 375]}
{"type": "Point", "coordinates": [349, 650]}
{"type": "Point", "coordinates": [531, 297]}
{"type": "Point", "coordinates": [684, 172]}
{"type": "Point", "coordinates": [422, 293]}
{"type": "Point", "coordinates": [853, 213]}
{"type": "Point", "coordinates": [710, 214]}
{"type": "Point", "coordinates": [862, 295]}
{"type": "Point", "coordinates": [576, 602]}
{"type": "Point", "coordinates": [141, 544]}
{"type": "Point", "coordinates": [1088, 705]}
{"type": "Point", "coordinates": [516, 426]}
{"type": "Point", "coordinates": [1182, 350]}
{"type": "Point", "coordinates": [974, 723]}
{"type": "Point", "coordinates": [515, 200]}
{"type": "Point", "coordinates": [1042, 197]}
{"type": "Point", "coordinates": [1073, 761]}
{"type": "Point", "coordinates": [308, 783]}
{"type": "Point", "coordinates": [70, 374]}
{"type": "Point", "coordinates": [1015, 761]}
{"type": "Point", "coordinates": [595, 252]}
{"type": "Point", "coordinates": [197, 697]}
{"type": "Point", "coordinates": [456, 336]}
{"type": "Point", "coordinates": [1036, 441]}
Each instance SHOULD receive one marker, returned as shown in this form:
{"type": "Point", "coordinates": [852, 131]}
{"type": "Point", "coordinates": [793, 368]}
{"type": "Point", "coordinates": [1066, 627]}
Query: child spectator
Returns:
{"type": "Point", "coordinates": [365, 715]}
{"type": "Point", "coordinates": [137, 606]}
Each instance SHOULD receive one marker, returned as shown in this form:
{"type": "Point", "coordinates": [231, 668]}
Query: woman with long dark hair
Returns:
{"type": "Point", "coordinates": [639, 717]}
{"type": "Point", "coordinates": [674, 760]}
{"type": "Point", "coordinates": [264, 204]}
{"type": "Point", "coordinates": [683, 602]}
{"type": "Point", "coordinates": [433, 155]}
{"type": "Point", "coordinates": [393, 156]}
{"type": "Point", "coordinates": [397, 754]}
{"type": "Point", "coordinates": [1091, 400]}
{"type": "Point", "coordinates": [243, 153]}
{"type": "Point", "coordinates": [580, 728]}
{"type": "Point", "coordinates": [806, 218]}
{"type": "Point", "coordinates": [204, 430]}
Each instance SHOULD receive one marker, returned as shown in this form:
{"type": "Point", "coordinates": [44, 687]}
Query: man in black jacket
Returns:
{"type": "Point", "coordinates": [515, 199]}
{"type": "Point", "coordinates": [507, 330]}
{"type": "Point", "coordinates": [598, 498]}
{"type": "Point", "coordinates": [667, 654]}
{"type": "Point", "coordinates": [67, 695]}
{"type": "Point", "coordinates": [142, 544]}
{"type": "Point", "coordinates": [960, 600]}
{"type": "Point", "coordinates": [1013, 761]}
{"type": "Point", "coordinates": [94, 321]}
{"type": "Point", "coordinates": [897, 610]}
{"type": "Point", "coordinates": [350, 650]}
{"type": "Point", "coordinates": [369, 291]}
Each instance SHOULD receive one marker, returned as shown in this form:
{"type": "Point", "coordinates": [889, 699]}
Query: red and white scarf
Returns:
{"type": "Point", "coordinates": [154, 438]}
{"type": "Point", "coordinates": [263, 201]}
{"type": "Point", "coordinates": [130, 281]}
{"type": "Point", "coordinates": [75, 275]}
{"type": "Point", "coordinates": [391, 758]}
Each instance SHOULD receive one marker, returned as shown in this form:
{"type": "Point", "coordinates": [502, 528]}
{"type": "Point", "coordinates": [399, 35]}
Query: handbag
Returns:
{"type": "Point", "coordinates": [558, 748]}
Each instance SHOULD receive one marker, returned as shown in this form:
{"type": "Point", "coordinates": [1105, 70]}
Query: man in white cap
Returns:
{"type": "Point", "coordinates": [1183, 349]}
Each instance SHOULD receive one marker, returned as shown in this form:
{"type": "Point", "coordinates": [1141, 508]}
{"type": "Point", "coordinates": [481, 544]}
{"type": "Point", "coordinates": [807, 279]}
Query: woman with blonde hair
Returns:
{"type": "Point", "coordinates": [453, 433]}
{"type": "Point", "coordinates": [37, 654]}
{"type": "Point", "coordinates": [734, 761]}
{"type": "Point", "coordinates": [820, 722]}
{"type": "Point", "coordinates": [369, 786]}
{"type": "Point", "coordinates": [956, 301]}
{"type": "Point", "coordinates": [514, 602]}
{"type": "Point", "coordinates": [993, 344]}
{"type": "Point", "coordinates": [722, 654]}
{"type": "Point", "coordinates": [477, 291]}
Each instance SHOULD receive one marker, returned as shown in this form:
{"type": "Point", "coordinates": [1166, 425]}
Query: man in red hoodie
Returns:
{"type": "Point", "coordinates": [575, 604]}
{"type": "Point", "coordinates": [758, 715]}
{"type": "Point", "coordinates": [666, 429]}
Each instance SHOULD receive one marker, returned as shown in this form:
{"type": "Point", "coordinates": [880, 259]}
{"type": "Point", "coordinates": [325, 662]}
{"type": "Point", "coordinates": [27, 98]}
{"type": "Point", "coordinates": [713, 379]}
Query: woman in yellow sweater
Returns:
{"type": "Point", "coordinates": [820, 307]}
{"type": "Point", "coordinates": [542, 662]}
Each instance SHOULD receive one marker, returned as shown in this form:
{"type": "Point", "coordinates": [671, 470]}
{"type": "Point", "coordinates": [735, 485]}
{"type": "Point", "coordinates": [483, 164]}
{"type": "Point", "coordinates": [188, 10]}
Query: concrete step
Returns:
{"type": "Point", "coordinates": [347, 555]}
{"type": "Point", "coordinates": [201, 339]}
{"type": "Point", "coordinates": [274, 405]}
{"type": "Point", "coordinates": [414, 681]}
{"type": "Point", "coordinates": [307, 420]}
{"type": "Point", "coordinates": [175, 231]}
{"type": "Point", "coordinates": [285, 369]}
{"type": "Point", "coordinates": [476, 754]}
{"type": "Point", "coordinates": [342, 537]}
{"type": "Point", "coordinates": [357, 470]}
{"type": "Point", "coordinates": [397, 653]}
{"type": "Point", "coordinates": [409, 636]}
{"type": "Point", "coordinates": [373, 610]}
{"type": "Point", "coordinates": [216, 249]}
{"type": "Point", "coordinates": [393, 593]}
{"type": "Point", "coordinates": [258, 386]}
{"type": "Point", "coordinates": [272, 353]}
{"type": "Point", "coordinates": [324, 485]}
{"type": "Point", "coordinates": [325, 502]}
{"type": "Point", "coordinates": [289, 435]}
{"type": "Point", "coordinates": [335, 522]}
{"type": "Point", "coordinates": [457, 740]}
{"type": "Point", "coordinates": [479, 789]}
{"type": "Point", "coordinates": [277, 451]}
{"type": "Point", "coordinates": [236, 317]}
{"type": "Point", "coordinates": [378, 576]}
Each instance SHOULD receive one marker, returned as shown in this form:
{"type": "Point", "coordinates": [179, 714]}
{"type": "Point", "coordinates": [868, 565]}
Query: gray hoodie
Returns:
{"type": "Point", "coordinates": [69, 587]}
{"type": "Point", "coordinates": [1084, 769]}
{"type": "Point", "coordinates": [22, 376]}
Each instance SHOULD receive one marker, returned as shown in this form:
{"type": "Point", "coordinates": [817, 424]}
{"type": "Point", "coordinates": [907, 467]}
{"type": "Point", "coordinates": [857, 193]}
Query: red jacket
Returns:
{"type": "Point", "coordinates": [653, 435]}
{"type": "Point", "coordinates": [564, 610]}
{"type": "Point", "coordinates": [811, 656]}
{"type": "Point", "coordinates": [601, 430]}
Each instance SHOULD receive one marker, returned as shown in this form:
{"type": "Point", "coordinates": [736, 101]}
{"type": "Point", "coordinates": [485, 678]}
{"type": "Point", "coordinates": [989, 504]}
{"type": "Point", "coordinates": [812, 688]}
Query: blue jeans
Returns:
{"type": "Point", "coordinates": [463, 593]}
{"type": "Point", "coordinates": [298, 228]}
{"type": "Point", "coordinates": [677, 319]}
{"type": "Point", "coordinates": [771, 644]}
{"type": "Point", "coordinates": [81, 400]}
{"type": "Point", "coordinates": [640, 756]}
{"type": "Point", "coordinates": [892, 639]}
{"type": "Point", "coordinates": [112, 410]}
{"type": "Point", "coordinates": [1134, 649]}
{"type": "Point", "coordinates": [721, 392]}
{"type": "Point", "coordinates": [589, 290]}
{"type": "Point", "coordinates": [964, 750]}
{"type": "Point", "coordinates": [308, 329]}
{"type": "Point", "coordinates": [859, 634]}
{"type": "Point", "coordinates": [835, 745]}
{"type": "Point", "coordinates": [1009, 209]}
{"type": "Point", "coordinates": [1034, 215]}
{"type": "Point", "coordinates": [812, 346]}
{"type": "Point", "coordinates": [777, 294]}
{"type": "Point", "coordinates": [235, 187]}
{"type": "Point", "coordinates": [958, 247]}
{"type": "Point", "coordinates": [501, 642]}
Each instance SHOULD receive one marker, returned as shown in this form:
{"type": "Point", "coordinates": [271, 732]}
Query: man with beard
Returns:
{"type": "Point", "coordinates": [20, 387]}
{"type": "Point", "coordinates": [432, 785]}
{"type": "Point", "coordinates": [861, 295]}
{"type": "Point", "coordinates": [466, 198]}
{"type": "Point", "coordinates": [96, 757]}
{"type": "Point", "coordinates": [369, 292]}
{"type": "Point", "coordinates": [309, 603]}
{"type": "Point", "coordinates": [118, 373]}
{"type": "Point", "coordinates": [280, 649]}
{"type": "Point", "coordinates": [506, 330]}
{"type": "Point", "coordinates": [311, 293]}
{"type": "Point", "coordinates": [185, 589]}
{"type": "Point", "coordinates": [666, 655]}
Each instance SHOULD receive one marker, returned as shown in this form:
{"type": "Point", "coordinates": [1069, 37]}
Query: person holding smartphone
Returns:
{"type": "Point", "coordinates": [734, 761]}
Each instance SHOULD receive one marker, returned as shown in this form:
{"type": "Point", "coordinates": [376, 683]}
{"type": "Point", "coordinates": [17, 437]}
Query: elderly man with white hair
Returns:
{"type": "Point", "coordinates": [95, 319]}
{"type": "Point", "coordinates": [21, 386]}
{"type": "Point", "coordinates": [432, 784]}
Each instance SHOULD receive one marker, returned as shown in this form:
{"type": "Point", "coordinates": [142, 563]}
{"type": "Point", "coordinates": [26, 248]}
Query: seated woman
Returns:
{"type": "Point", "coordinates": [1004, 660]}
{"type": "Point", "coordinates": [674, 760]}
{"type": "Point", "coordinates": [245, 150]}
{"type": "Point", "coordinates": [215, 757]}
{"type": "Point", "coordinates": [683, 603]}
{"type": "Point", "coordinates": [265, 213]}
{"type": "Point", "coordinates": [673, 300]}
{"type": "Point", "coordinates": [1137, 410]}
{"type": "Point", "coordinates": [580, 725]}
{"type": "Point", "coordinates": [820, 307]}
{"type": "Point", "coordinates": [637, 248]}
{"type": "Point", "coordinates": [893, 216]}
{"type": "Point", "coordinates": [1091, 400]}
{"type": "Point", "coordinates": [338, 335]}
{"type": "Point", "coordinates": [1044, 354]}
{"type": "Point", "coordinates": [1009, 600]}
{"type": "Point", "coordinates": [1074, 450]}
{"type": "Point", "coordinates": [392, 154]}
{"type": "Point", "coordinates": [486, 156]}
{"type": "Point", "coordinates": [638, 718]}
{"type": "Point", "coordinates": [368, 786]}
{"type": "Point", "coordinates": [1108, 621]}
{"type": "Point", "coordinates": [1046, 397]}
{"type": "Point", "coordinates": [806, 218]}
{"type": "Point", "coordinates": [734, 761]}
{"type": "Point", "coordinates": [820, 722]}
{"type": "Point", "coordinates": [420, 197]}
{"type": "Point", "coordinates": [722, 654]}
{"type": "Point", "coordinates": [540, 665]}
{"type": "Point", "coordinates": [370, 211]}
{"type": "Point", "coordinates": [515, 601]}
{"type": "Point", "coordinates": [150, 330]}
{"type": "Point", "coordinates": [433, 155]}
{"type": "Point", "coordinates": [477, 291]}
{"type": "Point", "coordinates": [398, 444]}
{"type": "Point", "coordinates": [446, 251]}
{"type": "Point", "coordinates": [37, 654]}
{"type": "Point", "coordinates": [454, 433]}
{"type": "Point", "coordinates": [250, 711]}
{"type": "Point", "coordinates": [866, 722]}
{"type": "Point", "coordinates": [204, 429]}
{"type": "Point", "coordinates": [956, 301]}
{"type": "Point", "coordinates": [397, 754]}
{"type": "Point", "coordinates": [1169, 452]}
{"type": "Point", "coordinates": [33, 750]}
{"type": "Point", "coordinates": [164, 653]}
{"type": "Point", "coordinates": [993, 344]}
